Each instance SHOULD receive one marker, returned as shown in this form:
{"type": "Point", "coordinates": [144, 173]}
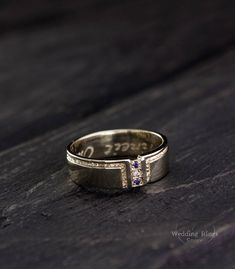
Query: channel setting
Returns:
{"type": "Point", "coordinates": [136, 173]}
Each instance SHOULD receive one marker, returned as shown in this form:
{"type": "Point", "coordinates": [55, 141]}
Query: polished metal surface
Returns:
{"type": "Point", "coordinates": [118, 159]}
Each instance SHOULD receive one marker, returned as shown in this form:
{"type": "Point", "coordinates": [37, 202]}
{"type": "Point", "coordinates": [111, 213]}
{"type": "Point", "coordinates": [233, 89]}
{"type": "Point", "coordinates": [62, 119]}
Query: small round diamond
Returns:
{"type": "Point", "coordinates": [136, 173]}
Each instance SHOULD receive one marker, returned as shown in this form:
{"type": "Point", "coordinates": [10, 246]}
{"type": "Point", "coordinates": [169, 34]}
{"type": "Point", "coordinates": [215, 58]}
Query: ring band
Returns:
{"type": "Point", "coordinates": [118, 159]}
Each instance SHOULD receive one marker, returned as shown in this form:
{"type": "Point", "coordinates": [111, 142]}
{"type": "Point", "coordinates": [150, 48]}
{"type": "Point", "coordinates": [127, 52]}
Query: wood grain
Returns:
{"type": "Point", "coordinates": [48, 222]}
{"type": "Point", "coordinates": [90, 56]}
{"type": "Point", "coordinates": [72, 68]}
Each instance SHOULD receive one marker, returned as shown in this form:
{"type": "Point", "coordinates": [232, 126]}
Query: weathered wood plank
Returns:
{"type": "Point", "coordinates": [48, 222]}
{"type": "Point", "coordinates": [100, 53]}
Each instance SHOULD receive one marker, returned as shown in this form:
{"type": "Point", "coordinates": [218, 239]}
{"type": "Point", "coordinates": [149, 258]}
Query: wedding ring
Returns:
{"type": "Point", "coordinates": [118, 159]}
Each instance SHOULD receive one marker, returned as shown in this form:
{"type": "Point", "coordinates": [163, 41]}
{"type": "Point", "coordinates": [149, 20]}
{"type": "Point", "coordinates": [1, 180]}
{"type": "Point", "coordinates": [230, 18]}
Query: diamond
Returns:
{"type": "Point", "coordinates": [101, 164]}
{"type": "Point", "coordinates": [136, 173]}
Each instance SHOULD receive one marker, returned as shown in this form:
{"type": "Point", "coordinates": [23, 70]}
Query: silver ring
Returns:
{"type": "Point", "coordinates": [118, 159]}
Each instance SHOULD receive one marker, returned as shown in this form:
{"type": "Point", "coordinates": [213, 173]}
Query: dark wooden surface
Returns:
{"type": "Point", "coordinates": [71, 69]}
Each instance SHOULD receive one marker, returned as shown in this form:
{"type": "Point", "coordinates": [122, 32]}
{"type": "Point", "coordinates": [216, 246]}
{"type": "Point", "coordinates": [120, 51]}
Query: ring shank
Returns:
{"type": "Point", "coordinates": [104, 160]}
{"type": "Point", "coordinates": [117, 144]}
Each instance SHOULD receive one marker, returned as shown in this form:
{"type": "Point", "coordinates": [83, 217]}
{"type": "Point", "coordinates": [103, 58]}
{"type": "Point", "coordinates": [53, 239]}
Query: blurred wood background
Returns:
{"type": "Point", "coordinates": [71, 68]}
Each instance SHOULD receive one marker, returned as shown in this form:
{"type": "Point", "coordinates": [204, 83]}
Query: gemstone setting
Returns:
{"type": "Point", "coordinates": [135, 164]}
{"type": "Point", "coordinates": [136, 181]}
{"type": "Point", "coordinates": [136, 173]}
